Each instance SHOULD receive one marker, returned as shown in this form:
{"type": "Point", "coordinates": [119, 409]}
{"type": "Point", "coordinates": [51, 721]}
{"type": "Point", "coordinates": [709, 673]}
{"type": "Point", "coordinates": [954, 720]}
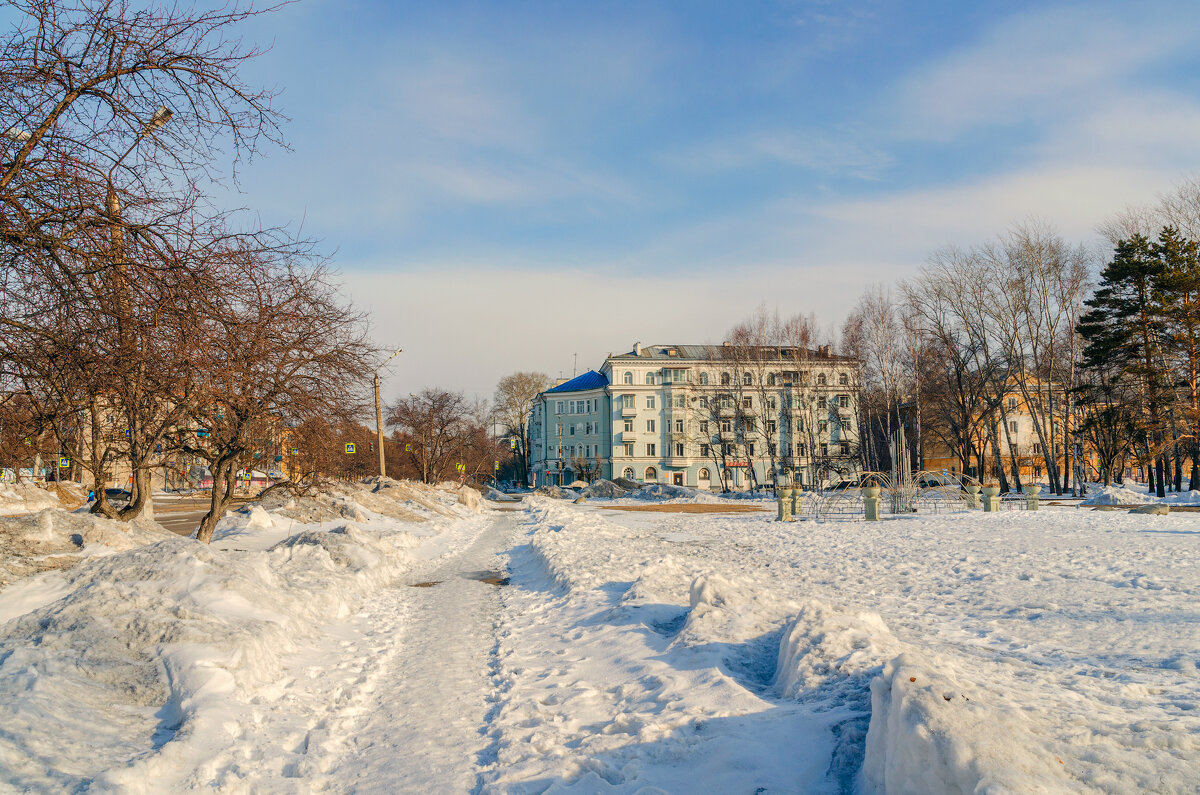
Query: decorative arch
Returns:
{"type": "Point", "coordinates": [820, 379]}
{"type": "Point", "coordinates": [724, 379]}
{"type": "Point", "coordinates": [844, 379]}
{"type": "Point", "coordinates": [650, 379]}
{"type": "Point", "coordinates": [704, 475]}
{"type": "Point", "coordinates": [627, 473]}
{"type": "Point", "coordinates": [627, 378]}
{"type": "Point", "coordinates": [747, 379]}
{"type": "Point", "coordinates": [704, 379]}
{"type": "Point", "coordinates": [651, 475]}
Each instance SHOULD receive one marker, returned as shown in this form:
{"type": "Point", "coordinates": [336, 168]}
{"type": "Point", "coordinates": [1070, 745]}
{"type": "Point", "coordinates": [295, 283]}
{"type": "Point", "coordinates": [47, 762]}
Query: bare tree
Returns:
{"type": "Point", "coordinates": [280, 346]}
{"type": "Point", "coordinates": [439, 423]}
{"type": "Point", "coordinates": [513, 403]}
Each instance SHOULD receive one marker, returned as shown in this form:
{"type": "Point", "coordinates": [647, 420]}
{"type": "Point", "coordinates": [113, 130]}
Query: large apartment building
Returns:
{"type": "Point", "coordinates": [707, 416]}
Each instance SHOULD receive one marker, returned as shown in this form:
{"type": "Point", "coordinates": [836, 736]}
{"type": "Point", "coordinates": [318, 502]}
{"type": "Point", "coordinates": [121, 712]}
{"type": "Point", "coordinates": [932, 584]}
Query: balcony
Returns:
{"type": "Point", "coordinates": [727, 436]}
{"type": "Point", "coordinates": [628, 411]}
{"type": "Point", "coordinates": [625, 437]}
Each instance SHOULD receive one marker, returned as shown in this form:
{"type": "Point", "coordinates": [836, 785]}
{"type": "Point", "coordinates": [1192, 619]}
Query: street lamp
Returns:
{"type": "Point", "coordinates": [379, 414]}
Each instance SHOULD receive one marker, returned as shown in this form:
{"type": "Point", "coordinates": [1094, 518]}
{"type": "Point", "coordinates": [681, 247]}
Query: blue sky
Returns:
{"type": "Point", "coordinates": [506, 185]}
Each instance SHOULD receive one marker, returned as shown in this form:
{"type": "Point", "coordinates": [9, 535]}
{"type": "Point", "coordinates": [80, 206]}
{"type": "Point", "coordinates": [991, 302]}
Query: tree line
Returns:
{"type": "Point", "coordinates": [138, 318]}
{"type": "Point", "coordinates": [1097, 350]}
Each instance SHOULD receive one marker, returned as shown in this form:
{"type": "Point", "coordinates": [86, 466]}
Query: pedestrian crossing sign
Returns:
{"type": "Point", "coordinates": [349, 448]}
{"type": "Point", "coordinates": [64, 462]}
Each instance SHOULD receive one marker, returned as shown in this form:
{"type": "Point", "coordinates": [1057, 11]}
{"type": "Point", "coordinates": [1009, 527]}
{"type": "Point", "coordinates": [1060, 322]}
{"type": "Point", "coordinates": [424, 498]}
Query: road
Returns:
{"type": "Point", "coordinates": [182, 514]}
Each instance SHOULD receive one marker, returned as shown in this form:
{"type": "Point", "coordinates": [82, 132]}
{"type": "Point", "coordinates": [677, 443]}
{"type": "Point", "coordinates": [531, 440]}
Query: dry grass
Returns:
{"type": "Point", "coordinates": [687, 507]}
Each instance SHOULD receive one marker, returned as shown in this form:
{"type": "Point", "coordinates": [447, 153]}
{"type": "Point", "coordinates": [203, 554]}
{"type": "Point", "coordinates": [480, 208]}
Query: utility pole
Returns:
{"type": "Point", "coordinates": [379, 415]}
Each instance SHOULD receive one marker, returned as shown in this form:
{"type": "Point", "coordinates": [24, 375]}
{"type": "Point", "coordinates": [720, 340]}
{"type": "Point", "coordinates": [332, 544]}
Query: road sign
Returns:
{"type": "Point", "coordinates": [349, 448]}
{"type": "Point", "coordinates": [512, 444]}
{"type": "Point", "coordinates": [295, 451]}
{"type": "Point", "coordinates": [64, 462]}
{"type": "Point", "coordinates": [408, 448]}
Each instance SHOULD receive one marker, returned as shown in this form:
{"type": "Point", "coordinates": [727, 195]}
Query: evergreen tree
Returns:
{"type": "Point", "coordinates": [1125, 329]}
{"type": "Point", "coordinates": [1181, 303]}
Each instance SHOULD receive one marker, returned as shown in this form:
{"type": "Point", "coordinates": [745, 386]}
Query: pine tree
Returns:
{"type": "Point", "coordinates": [1125, 329]}
{"type": "Point", "coordinates": [1181, 299]}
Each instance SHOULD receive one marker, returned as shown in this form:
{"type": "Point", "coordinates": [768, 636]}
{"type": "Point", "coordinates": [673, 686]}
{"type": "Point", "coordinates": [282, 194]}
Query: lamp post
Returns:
{"type": "Point", "coordinates": [379, 414]}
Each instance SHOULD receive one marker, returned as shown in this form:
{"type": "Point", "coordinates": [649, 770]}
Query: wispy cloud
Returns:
{"type": "Point", "coordinates": [830, 152]}
{"type": "Point", "coordinates": [1037, 65]}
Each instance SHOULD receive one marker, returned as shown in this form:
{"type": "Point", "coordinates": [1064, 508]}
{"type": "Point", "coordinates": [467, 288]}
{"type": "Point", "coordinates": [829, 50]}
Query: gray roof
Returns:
{"type": "Point", "coordinates": [718, 353]}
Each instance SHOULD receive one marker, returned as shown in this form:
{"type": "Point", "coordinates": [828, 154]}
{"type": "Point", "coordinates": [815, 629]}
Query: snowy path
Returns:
{"type": "Point", "coordinates": [394, 698]}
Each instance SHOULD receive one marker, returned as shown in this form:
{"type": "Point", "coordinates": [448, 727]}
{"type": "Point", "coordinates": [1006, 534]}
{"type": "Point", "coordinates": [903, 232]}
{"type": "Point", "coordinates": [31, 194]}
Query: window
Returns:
{"type": "Point", "coordinates": [651, 474]}
{"type": "Point", "coordinates": [821, 379]}
{"type": "Point", "coordinates": [726, 426]}
{"type": "Point", "coordinates": [704, 379]}
{"type": "Point", "coordinates": [727, 449]}
{"type": "Point", "coordinates": [704, 401]}
{"type": "Point", "coordinates": [843, 379]}
{"type": "Point", "coordinates": [1012, 426]}
{"type": "Point", "coordinates": [844, 401]}
{"type": "Point", "coordinates": [679, 449]}
{"type": "Point", "coordinates": [650, 379]}
{"type": "Point", "coordinates": [650, 449]}
{"type": "Point", "coordinates": [822, 426]}
{"type": "Point", "coordinates": [799, 424]}
{"type": "Point", "coordinates": [771, 379]}
{"type": "Point", "coordinates": [801, 450]}
{"type": "Point", "coordinates": [704, 451]}
{"type": "Point", "coordinates": [627, 402]}
{"type": "Point", "coordinates": [726, 402]}
{"type": "Point", "coordinates": [750, 425]}
{"type": "Point", "coordinates": [771, 449]}
{"type": "Point", "coordinates": [750, 449]}
{"type": "Point", "coordinates": [1012, 402]}
{"type": "Point", "coordinates": [747, 379]}
{"type": "Point", "coordinates": [629, 453]}
{"type": "Point", "coordinates": [845, 448]}
{"type": "Point", "coordinates": [649, 401]}
{"type": "Point", "coordinates": [572, 429]}
{"type": "Point", "coordinates": [629, 426]}
{"type": "Point", "coordinates": [724, 379]}
{"type": "Point", "coordinates": [704, 426]}
{"type": "Point", "coordinates": [674, 376]}
{"type": "Point", "coordinates": [747, 403]}
{"type": "Point", "coordinates": [558, 429]}
{"type": "Point", "coordinates": [703, 474]}
{"type": "Point", "coordinates": [627, 379]}
{"type": "Point", "coordinates": [824, 449]}
{"type": "Point", "coordinates": [1037, 448]}
{"type": "Point", "coordinates": [771, 403]}
{"type": "Point", "coordinates": [650, 426]}
{"type": "Point", "coordinates": [771, 427]}
{"type": "Point", "coordinates": [588, 429]}
{"type": "Point", "coordinates": [627, 473]}
{"type": "Point", "coordinates": [560, 407]}
{"type": "Point", "coordinates": [677, 401]}
{"type": "Point", "coordinates": [678, 426]}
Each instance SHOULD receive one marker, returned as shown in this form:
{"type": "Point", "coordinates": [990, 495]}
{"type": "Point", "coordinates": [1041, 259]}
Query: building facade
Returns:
{"type": "Point", "coordinates": [710, 417]}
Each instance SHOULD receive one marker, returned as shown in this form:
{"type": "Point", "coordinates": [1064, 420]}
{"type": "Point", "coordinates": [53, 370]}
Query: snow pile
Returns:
{"type": "Point", "coordinates": [604, 489]}
{"type": "Point", "coordinates": [16, 498]}
{"type": "Point", "coordinates": [931, 733]}
{"type": "Point", "coordinates": [1118, 495]}
{"type": "Point", "coordinates": [155, 647]}
{"type": "Point", "coordinates": [627, 484]}
{"type": "Point", "coordinates": [823, 648]}
{"type": "Point", "coordinates": [55, 539]}
{"type": "Point", "coordinates": [551, 490]}
{"type": "Point", "coordinates": [660, 492]}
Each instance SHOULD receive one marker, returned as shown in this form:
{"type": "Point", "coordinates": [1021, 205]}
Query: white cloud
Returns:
{"type": "Point", "coordinates": [1039, 64]}
{"type": "Point", "coordinates": [818, 150]}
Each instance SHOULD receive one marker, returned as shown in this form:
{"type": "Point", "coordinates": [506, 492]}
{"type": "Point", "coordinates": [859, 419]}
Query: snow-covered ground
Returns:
{"type": "Point", "coordinates": [394, 639]}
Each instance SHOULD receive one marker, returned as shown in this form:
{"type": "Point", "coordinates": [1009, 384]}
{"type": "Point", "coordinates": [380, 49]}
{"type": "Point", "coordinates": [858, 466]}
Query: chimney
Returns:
{"type": "Point", "coordinates": [637, 349]}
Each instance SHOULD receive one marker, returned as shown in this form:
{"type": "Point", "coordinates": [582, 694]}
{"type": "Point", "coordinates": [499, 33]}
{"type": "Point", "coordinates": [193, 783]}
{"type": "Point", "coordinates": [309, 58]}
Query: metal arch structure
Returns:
{"type": "Point", "coordinates": [924, 491]}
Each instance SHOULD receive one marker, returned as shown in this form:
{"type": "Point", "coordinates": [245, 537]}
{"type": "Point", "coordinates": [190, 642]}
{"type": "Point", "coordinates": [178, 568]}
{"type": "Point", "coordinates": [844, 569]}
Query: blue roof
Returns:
{"type": "Point", "coordinates": [589, 380]}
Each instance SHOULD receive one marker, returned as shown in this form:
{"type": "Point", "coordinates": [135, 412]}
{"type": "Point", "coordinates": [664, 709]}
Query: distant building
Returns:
{"type": "Point", "coordinates": [710, 417]}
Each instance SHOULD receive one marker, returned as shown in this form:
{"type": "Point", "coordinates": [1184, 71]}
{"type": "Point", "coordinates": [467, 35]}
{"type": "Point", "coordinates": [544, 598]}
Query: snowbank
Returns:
{"type": "Point", "coordinates": [931, 733]}
{"type": "Point", "coordinates": [1118, 495]}
{"type": "Point", "coordinates": [133, 671]}
{"type": "Point", "coordinates": [55, 539]}
{"type": "Point", "coordinates": [18, 498]}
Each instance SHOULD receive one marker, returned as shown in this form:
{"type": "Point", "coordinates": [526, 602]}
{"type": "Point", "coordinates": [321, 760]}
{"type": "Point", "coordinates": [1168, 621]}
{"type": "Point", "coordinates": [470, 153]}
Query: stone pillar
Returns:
{"type": "Point", "coordinates": [871, 503]}
{"type": "Point", "coordinates": [784, 496]}
{"type": "Point", "coordinates": [797, 501]}
{"type": "Point", "coordinates": [972, 495]}
{"type": "Point", "coordinates": [1031, 497]}
{"type": "Point", "coordinates": [991, 498]}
